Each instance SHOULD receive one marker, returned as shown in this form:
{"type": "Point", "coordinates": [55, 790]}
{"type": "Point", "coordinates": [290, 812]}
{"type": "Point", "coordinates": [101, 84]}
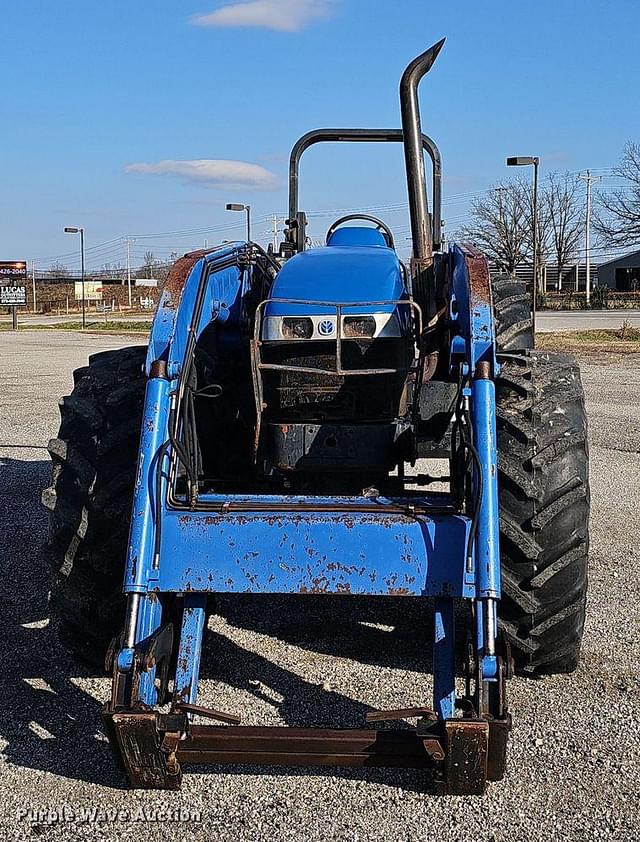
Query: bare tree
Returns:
{"type": "Point", "coordinates": [163, 269]}
{"type": "Point", "coordinates": [617, 219]}
{"type": "Point", "coordinates": [498, 225]}
{"type": "Point", "coordinates": [502, 223]}
{"type": "Point", "coordinates": [59, 269]}
{"type": "Point", "coordinates": [149, 264]}
{"type": "Point", "coordinates": [115, 268]}
{"type": "Point", "coordinates": [563, 206]}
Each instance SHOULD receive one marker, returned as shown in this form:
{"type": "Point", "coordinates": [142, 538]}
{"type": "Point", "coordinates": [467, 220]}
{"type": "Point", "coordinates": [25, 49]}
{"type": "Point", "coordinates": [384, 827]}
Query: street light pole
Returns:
{"type": "Point", "coordinates": [84, 318]}
{"type": "Point", "coordinates": [232, 206]}
{"type": "Point", "coordinates": [536, 234]}
{"type": "Point", "coordinates": [129, 271]}
{"type": "Point", "coordinates": [521, 161]}
{"type": "Point", "coordinates": [81, 232]}
{"type": "Point", "coordinates": [33, 284]}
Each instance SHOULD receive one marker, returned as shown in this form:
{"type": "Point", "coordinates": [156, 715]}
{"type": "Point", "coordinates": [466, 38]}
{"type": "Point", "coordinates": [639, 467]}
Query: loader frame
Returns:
{"type": "Point", "coordinates": [415, 544]}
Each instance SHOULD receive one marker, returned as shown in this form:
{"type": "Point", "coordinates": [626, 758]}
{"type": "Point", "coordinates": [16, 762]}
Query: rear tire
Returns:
{"type": "Point", "coordinates": [543, 475]}
{"type": "Point", "coordinates": [512, 314]}
{"type": "Point", "coordinates": [544, 492]}
{"type": "Point", "coordinates": [89, 500]}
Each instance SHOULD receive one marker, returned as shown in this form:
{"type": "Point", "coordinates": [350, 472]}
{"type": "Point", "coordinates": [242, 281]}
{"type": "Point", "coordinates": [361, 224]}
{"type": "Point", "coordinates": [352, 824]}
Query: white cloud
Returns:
{"type": "Point", "coordinates": [281, 15]}
{"type": "Point", "coordinates": [212, 173]}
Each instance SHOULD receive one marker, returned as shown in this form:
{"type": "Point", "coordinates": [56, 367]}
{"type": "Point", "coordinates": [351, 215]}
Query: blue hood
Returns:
{"type": "Point", "coordinates": [340, 274]}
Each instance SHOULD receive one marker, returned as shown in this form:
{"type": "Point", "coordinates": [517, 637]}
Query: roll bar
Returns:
{"type": "Point", "coordinates": [295, 232]}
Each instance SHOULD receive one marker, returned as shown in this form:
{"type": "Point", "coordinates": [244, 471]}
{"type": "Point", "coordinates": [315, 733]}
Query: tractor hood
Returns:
{"type": "Point", "coordinates": [312, 281]}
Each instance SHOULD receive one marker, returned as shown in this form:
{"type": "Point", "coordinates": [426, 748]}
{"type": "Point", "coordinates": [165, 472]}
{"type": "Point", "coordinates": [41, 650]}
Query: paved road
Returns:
{"type": "Point", "coordinates": [48, 319]}
{"type": "Point", "coordinates": [548, 321]}
{"type": "Point", "coordinates": [574, 756]}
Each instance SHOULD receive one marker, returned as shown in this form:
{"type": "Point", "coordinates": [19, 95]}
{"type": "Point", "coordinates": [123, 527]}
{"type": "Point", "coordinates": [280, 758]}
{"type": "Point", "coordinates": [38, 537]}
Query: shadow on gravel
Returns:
{"type": "Point", "coordinates": [51, 724]}
{"type": "Point", "coordinates": [304, 704]}
{"type": "Point", "coordinates": [47, 721]}
{"type": "Point", "coordinates": [384, 631]}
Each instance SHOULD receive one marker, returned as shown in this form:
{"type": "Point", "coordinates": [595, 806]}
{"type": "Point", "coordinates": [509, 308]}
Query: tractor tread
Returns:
{"type": "Point", "coordinates": [544, 492]}
{"type": "Point", "coordinates": [544, 515]}
{"type": "Point", "coordinates": [512, 315]}
{"type": "Point", "coordinates": [89, 499]}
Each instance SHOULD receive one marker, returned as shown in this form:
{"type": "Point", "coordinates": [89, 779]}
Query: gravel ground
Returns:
{"type": "Point", "coordinates": [573, 758]}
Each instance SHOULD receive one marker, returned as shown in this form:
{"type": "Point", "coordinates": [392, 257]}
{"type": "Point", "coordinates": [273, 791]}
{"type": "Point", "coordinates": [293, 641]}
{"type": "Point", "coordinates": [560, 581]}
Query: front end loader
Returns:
{"type": "Point", "coordinates": [275, 438]}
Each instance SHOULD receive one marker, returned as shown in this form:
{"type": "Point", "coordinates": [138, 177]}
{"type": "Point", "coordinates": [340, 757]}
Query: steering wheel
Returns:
{"type": "Point", "coordinates": [380, 226]}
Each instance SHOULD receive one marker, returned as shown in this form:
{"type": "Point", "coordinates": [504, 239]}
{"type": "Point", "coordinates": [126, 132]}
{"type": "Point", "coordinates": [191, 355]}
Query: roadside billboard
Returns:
{"type": "Point", "coordinates": [92, 290]}
{"type": "Point", "coordinates": [13, 275]}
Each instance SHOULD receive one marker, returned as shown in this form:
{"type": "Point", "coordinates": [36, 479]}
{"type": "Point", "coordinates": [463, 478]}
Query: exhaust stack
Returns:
{"type": "Point", "coordinates": [421, 232]}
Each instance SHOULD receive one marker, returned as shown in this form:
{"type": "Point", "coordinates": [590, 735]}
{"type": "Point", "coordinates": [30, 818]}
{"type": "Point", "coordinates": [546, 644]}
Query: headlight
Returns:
{"type": "Point", "coordinates": [358, 327]}
{"type": "Point", "coordinates": [325, 327]}
{"type": "Point", "coordinates": [301, 328]}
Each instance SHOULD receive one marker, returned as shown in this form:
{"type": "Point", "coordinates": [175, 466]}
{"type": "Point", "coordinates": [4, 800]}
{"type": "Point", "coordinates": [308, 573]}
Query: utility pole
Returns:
{"type": "Point", "coordinates": [33, 284]}
{"type": "Point", "coordinates": [84, 313]}
{"type": "Point", "coordinates": [276, 230]}
{"type": "Point", "coordinates": [129, 269]}
{"type": "Point", "coordinates": [589, 179]}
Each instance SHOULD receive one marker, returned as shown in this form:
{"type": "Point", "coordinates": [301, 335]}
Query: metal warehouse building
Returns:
{"type": "Point", "coordinates": [622, 274]}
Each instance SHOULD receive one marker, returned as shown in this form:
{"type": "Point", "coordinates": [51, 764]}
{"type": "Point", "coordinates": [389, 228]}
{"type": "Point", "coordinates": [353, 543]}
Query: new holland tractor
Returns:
{"type": "Point", "coordinates": [273, 438]}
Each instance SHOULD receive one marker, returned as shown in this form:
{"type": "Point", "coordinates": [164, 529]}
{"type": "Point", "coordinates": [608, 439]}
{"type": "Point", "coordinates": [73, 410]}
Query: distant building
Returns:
{"type": "Point", "coordinates": [622, 274]}
{"type": "Point", "coordinates": [574, 276]}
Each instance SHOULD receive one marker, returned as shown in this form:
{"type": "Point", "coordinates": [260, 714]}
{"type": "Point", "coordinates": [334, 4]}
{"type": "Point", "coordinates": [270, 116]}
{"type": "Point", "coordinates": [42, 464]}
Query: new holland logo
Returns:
{"type": "Point", "coordinates": [325, 327]}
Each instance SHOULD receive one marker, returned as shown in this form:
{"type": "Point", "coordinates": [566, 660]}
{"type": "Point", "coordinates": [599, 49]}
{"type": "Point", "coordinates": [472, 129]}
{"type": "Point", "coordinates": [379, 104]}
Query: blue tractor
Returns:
{"type": "Point", "coordinates": [272, 439]}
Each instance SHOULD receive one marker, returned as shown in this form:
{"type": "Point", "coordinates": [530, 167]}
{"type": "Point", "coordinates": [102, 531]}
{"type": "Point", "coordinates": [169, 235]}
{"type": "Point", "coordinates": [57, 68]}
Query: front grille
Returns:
{"type": "Point", "coordinates": [297, 395]}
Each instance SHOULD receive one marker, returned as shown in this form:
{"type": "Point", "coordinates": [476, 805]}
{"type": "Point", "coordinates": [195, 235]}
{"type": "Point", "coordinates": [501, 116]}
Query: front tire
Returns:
{"type": "Point", "coordinates": [94, 461]}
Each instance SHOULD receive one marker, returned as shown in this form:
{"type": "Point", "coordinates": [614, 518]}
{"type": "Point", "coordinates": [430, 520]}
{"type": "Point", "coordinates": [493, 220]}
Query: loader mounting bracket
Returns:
{"type": "Point", "coordinates": [460, 752]}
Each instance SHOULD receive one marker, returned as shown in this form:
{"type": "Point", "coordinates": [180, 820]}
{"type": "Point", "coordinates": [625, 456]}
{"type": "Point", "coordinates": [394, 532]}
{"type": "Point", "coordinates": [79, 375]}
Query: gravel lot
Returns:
{"type": "Point", "coordinates": [574, 771]}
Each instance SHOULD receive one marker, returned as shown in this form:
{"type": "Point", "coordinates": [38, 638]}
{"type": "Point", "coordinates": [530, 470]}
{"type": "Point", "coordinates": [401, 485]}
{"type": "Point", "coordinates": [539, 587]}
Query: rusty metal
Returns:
{"type": "Point", "coordinates": [498, 739]}
{"type": "Point", "coordinates": [306, 747]}
{"type": "Point", "coordinates": [208, 713]}
{"type": "Point", "coordinates": [149, 760]}
{"type": "Point", "coordinates": [409, 508]}
{"type": "Point", "coordinates": [500, 719]}
{"type": "Point", "coordinates": [179, 273]}
{"type": "Point", "coordinates": [155, 653]}
{"type": "Point", "coordinates": [159, 369]}
{"type": "Point", "coordinates": [400, 713]}
{"type": "Point", "coordinates": [434, 749]}
{"type": "Point", "coordinates": [466, 757]}
{"type": "Point", "coordinates": [479, 275]}
{"type": "Point", "coordinates": [483, 370]}
{"type": "Point", "coordinates": [464, 753]}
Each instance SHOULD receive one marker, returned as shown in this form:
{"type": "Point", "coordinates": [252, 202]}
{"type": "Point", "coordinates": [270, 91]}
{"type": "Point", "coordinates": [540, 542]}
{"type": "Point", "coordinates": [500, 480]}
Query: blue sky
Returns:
{"type": "Point", "coordinates": [106, 105]}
